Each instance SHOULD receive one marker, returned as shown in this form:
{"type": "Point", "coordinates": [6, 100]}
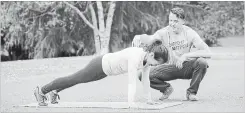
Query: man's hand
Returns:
{"type": "Point", "coordinates": [179, 63]}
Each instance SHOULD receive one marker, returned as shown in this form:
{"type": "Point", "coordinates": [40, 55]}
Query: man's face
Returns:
{"type": "Point", "coordinates": [175, 23]}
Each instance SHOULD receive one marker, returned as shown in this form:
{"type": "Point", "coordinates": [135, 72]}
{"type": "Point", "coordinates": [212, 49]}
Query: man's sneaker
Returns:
{"type": "Point", "coordinates": [167, 93]}
{"type": "Point", "coordinates": [191, 97]}
{"type": "Point", "coordinates": [40, 97]}
{"type": "Point", "coordinates": [53, 97]}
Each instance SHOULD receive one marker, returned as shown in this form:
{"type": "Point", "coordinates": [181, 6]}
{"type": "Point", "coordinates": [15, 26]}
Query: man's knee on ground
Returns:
{"type": "Point", "coordinates": [202, 62]}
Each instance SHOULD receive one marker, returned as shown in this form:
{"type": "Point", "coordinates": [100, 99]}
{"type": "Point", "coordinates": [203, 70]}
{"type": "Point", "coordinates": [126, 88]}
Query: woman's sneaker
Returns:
{"type": "Point", "coordinates": [40, 97]}
{"type": "Point", "coordinates": [53, 97]}
{"type": "Point", "coordinates": [191, 97]}
{"type": "Point", "coordinates": [167, 93]}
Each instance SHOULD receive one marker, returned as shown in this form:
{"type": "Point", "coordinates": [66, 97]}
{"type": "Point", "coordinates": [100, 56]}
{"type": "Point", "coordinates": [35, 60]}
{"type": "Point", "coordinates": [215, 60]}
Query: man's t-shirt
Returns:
{"type": "Point", "coordinates": [180, 43]}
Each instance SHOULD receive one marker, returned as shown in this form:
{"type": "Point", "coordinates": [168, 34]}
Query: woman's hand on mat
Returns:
{"type": "Point", "coordinates": [180, 61]}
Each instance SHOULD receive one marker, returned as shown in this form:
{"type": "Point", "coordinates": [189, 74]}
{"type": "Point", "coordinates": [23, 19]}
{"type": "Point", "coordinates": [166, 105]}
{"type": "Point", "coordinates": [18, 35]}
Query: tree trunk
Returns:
{"type": "Point", "coordinates": [101, 34]}
{"type": "Point", "coordinates": [105, 36]}
{"type": "Point", "coordinates": [104, 40]}
{"type": "Point", "coordinates": [96, 33]}
{"type": "Point", "coordinates": [97, 42]}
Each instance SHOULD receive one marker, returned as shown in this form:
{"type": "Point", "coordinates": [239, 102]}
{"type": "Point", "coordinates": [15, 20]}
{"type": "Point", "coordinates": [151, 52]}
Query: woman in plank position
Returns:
{"type": "Point", "coordinates": [131, 60]}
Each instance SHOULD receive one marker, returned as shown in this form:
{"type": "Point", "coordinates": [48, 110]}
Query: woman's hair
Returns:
{"type": "Point", "coordinates": [179, 12]}
{"type": "Point", "coordinates": [160, 51]}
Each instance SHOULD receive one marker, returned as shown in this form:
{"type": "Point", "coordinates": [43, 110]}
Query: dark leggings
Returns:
{"type": "Point", "coordinates": [92, 72]}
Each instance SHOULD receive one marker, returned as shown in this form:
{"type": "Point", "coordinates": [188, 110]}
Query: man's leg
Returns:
{"type": "Point", "coordinates": [194, 69]}
{"type": "Point", "coordinates": [199, 70]}
{"type": "Point", "coordinates": [162, 73]}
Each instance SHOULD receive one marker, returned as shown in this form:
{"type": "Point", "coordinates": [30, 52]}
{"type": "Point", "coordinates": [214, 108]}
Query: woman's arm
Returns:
{"type": "Point", "coordinates": [146, 82]}
{"type": "Point", "coordinates": [146, 85]}
{"type": "Point", "coordinates": [132, 79]}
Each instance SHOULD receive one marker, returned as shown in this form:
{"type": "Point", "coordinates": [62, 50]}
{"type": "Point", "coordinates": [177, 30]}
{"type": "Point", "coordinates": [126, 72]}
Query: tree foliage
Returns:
{"type": "Point", "coordinates": [46, 29]}
{"type": "Point", "coordinates": [225, 19]}
{"type": "Point", "coordinates": [51, 29]}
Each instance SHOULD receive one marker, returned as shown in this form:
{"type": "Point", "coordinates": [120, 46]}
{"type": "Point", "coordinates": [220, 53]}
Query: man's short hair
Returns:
{"type": "Point", "coordinates": [179, 12]}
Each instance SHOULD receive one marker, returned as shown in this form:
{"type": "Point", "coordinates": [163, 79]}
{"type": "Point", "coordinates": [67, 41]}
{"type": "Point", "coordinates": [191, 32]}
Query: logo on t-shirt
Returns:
{"type": "Point", "coordinates": [178, 45]}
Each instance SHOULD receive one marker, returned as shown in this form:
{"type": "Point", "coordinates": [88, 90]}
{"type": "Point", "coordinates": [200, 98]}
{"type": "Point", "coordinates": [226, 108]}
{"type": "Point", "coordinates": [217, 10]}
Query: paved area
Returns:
{"type": "Point", "coordinates": [222, 89]}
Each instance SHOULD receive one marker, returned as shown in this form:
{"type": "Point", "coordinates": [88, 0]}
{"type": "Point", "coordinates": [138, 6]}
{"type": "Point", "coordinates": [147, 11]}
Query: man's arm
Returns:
{"type": "Point", "coordinates": [136, 41]}
{"type": "Point", "coordinates": [160, 35]}
{"type": "Point", "coordinates": [202, 48]}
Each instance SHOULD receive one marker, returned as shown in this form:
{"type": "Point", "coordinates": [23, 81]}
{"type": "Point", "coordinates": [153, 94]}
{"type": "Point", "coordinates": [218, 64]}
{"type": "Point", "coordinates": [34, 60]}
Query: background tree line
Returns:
{"type": "Point", "coordinates": [56, 29]}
